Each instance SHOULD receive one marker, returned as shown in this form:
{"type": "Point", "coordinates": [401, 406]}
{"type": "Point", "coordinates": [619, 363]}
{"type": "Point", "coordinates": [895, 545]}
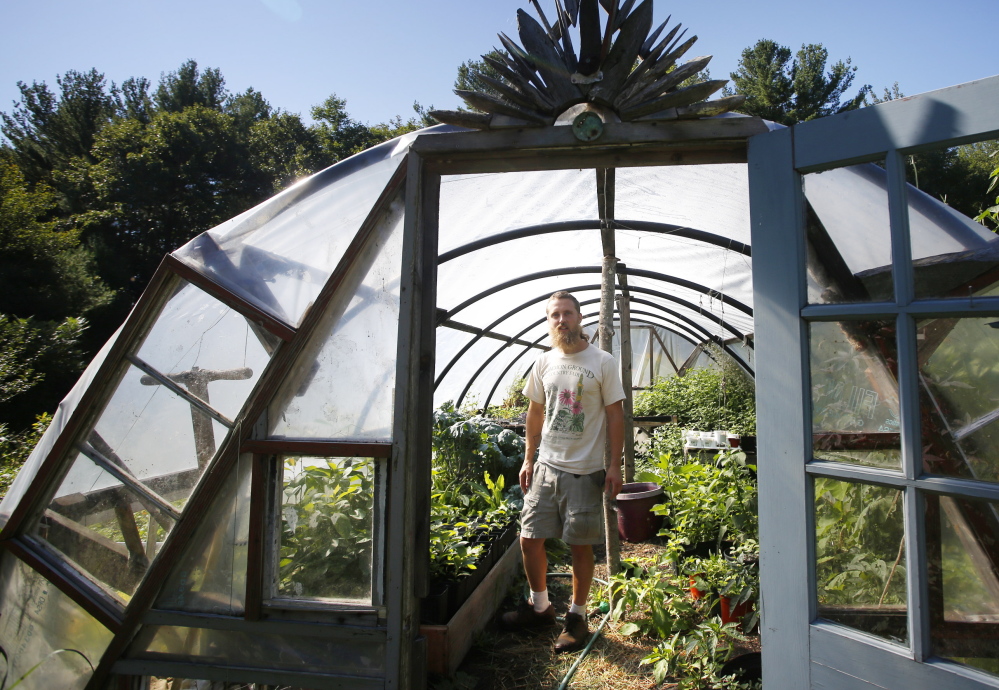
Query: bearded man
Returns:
{"type": "Point", "coordinates": [576, 399]}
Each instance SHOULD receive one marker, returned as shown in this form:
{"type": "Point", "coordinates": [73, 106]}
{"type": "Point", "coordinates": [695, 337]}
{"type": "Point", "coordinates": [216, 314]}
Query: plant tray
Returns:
{"type": "Point", "coordinates": [448, 644]}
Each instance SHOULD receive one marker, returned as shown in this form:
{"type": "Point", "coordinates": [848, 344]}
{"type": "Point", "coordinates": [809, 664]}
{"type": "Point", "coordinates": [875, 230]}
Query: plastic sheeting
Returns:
{"type": "Point", "coordinates": [358, 652]}
{"type": "Point", "coordinates": [43, 627]}
{"type": "Point", "coordinates": [343, 386]}
{"type": "Point", "coordinates": [210, 575]}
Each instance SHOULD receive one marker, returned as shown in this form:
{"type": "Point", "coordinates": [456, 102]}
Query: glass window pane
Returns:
{"type": "Point", "coordinates": [848, 232]}
{"type": "Point", "coordinates": [327, 524]}
{"type": "Point", "coordinates": [860, 569]}
{"type": "Point", "coordinates": [208, 348]}
{"type": "Point", "coordinates": [210, 577]}
{"type": "Point", "coordinates": [855, 413]}
{"type": "Point", "coordinates": [949, 187]}
{"type": "Point", "coordinates": [344, 384]}
{"type": "Point", "coordinates": [163, 439]}
{"type": "Point", "coordinates": [279, 256]}
{"type": "Point", "coordinates": [959, 373]}
{"type": "Point", "coordinates": [358, 652]}
{"type": "Point", "coordinates": [963, 564]}
{"type": "Point", "coordinates": [103, 527]}
{"type": "Point", "coordinates": [41, 625]}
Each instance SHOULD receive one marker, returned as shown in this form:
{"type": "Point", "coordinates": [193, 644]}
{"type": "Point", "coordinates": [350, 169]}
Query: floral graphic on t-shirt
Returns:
{"type": "Point", "coordinates": [568, 409]}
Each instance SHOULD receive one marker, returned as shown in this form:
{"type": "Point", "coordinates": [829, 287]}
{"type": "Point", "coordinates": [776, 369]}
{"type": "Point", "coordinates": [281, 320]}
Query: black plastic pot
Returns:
{"type": "Point", "coordinates": [746, 667]}
{"type": "Point", "coordinates": [434, 606]}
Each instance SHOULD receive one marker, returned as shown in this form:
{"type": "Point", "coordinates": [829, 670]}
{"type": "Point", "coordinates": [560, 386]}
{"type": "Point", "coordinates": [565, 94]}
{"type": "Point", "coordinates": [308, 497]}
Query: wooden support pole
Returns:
{"type": "Point", "coordinates": [608, 279]}
{"type": "Point", "coordinates": [624, 317]}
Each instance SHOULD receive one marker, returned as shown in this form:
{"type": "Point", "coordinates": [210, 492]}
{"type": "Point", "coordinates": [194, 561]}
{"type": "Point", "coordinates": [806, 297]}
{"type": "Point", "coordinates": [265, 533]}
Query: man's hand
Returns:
{"type": "Point", "coordinates": [614, 480]}
{"type": "Point", "coordinates": [526, 475]}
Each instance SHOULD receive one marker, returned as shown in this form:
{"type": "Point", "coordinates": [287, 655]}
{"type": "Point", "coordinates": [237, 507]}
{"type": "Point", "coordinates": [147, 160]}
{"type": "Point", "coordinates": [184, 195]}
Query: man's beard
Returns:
{"type": "Point", "coordinates": [566, 339]}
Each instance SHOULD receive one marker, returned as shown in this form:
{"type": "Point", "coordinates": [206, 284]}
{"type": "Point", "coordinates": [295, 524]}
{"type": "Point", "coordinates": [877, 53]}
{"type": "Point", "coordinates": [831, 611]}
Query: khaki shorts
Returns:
{"type": "Point", "coordinates": [566, 506]}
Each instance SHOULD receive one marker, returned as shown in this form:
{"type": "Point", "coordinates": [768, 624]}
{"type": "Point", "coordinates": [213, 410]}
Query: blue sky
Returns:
{"type": "Point", "coordinates": [381, 56]}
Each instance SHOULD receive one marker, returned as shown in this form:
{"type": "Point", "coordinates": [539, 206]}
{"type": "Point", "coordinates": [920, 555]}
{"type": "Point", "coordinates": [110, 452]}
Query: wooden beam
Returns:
{"type": "Point", "coordinates": [229, 298]}
{"type": "Point", "coordinates": [86, 594]}
{"type": "Point", "coordinates": [318, 449]}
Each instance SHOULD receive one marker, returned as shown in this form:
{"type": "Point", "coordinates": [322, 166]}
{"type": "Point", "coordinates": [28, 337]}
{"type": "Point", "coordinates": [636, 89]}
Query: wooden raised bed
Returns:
{"type": "Point", "coordinates": [448, 644]}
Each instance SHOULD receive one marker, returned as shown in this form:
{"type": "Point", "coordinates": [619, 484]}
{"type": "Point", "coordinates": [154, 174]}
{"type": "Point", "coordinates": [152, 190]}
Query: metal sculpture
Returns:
{"type": "Point", "coordinates": [621, 73]}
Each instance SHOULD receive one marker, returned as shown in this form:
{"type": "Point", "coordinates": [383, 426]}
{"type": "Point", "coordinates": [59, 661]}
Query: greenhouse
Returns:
{"type": "Point", "coordinates": [147, 534]}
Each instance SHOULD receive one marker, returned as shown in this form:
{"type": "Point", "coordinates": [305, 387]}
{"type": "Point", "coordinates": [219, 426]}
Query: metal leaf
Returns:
{"type": "Point", "coordinates": [623, 13]}
{"type": "Point", "coordinates": [657, 70]}
{"type": "Point", "coordinates": [572, 10]}
{"type": "Point", "coordinates": [523, 62]}
{"type": "Point", "coordinates": [539, 97]}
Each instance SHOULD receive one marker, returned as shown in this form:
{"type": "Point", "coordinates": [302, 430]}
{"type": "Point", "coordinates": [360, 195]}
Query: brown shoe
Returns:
{"type": "Point", "coordinates": [574, 635]}
{"type": "Point", "coordinates": [526, 618]}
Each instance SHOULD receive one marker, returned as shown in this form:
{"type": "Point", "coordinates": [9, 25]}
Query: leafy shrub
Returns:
{"type": "Point", "coordinates": [514, 406]}
{"type": "Point", "coordinates": [706, 501]}
{"type": "Point", "coordinates": [466, 447]}
{"type": "Point", "coordinates": [704, 399]}
{"type": "Point", "coordinates": [15, 449]}
{"type": "Point", "coordinates": [326, 528]}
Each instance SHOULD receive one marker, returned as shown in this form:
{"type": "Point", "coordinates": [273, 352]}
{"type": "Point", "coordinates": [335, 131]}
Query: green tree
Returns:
{"type": "Point", "coordinates": [190, 86]}
{"type": "Point", "coordinates": [154, 186]}
{"type": "Point", "coordinates": [46, 132]}
{"type": "Point", "coordinates": [791, 90]}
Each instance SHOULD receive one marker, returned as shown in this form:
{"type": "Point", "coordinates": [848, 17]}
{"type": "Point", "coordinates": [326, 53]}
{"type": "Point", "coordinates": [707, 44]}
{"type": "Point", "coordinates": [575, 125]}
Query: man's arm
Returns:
{"type": "Point", "coordinates": [535, 422]}
{"type": "Point", "coordinates": [615, 435]}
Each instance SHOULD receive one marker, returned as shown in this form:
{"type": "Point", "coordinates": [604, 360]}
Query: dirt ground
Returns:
{"type": "Point", "coordinates": [502, 660]}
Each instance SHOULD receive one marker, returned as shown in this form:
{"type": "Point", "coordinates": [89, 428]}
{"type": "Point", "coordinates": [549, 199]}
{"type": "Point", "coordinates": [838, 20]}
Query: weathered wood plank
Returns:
{"type": "Point", "coordinates": [448, 644]}
{"type": "Point", "coordinates": [621, 57]}
{"type": "Point", "coordinates": [667, 81]}
{"type": "Point", "coordinates": [547, 61]}
{"type": "Point", "coordinates": [589, 37]}
{"type": "Point", "coordinates": [680, 97]}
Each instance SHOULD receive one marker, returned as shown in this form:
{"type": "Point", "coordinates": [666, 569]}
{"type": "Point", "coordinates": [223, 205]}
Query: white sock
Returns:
{"type": "Point", "coordinates": [540, 601]}
{"type": "Point", "coordinates": [578, 609]}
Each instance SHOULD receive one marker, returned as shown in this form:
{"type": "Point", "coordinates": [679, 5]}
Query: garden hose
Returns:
{"type": "Point", "coordinates": [593, 638]}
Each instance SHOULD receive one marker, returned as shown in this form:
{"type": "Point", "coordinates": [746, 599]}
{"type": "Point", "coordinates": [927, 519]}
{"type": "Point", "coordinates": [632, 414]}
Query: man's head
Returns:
{"type": "Point", "coordinates": [565, 321]}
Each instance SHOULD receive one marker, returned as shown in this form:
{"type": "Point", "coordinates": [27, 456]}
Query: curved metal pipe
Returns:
{"type": "Point", "coordinates": [594, 224]}
{"type": "Point", "coordinates": [690, 285]}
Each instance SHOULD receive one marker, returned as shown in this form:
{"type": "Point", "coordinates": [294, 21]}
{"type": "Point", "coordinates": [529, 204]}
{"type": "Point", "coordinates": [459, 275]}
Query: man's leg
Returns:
{"type": "Point", "coordinates": [536, 563]}
{"type": "Point", "coordinates": [582, 572]}
{"type": "Point", "coordinates": [538, 613]}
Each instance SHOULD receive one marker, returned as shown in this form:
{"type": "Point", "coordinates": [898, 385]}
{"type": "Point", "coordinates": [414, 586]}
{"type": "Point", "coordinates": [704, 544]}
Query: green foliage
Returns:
{"type": "Point", "coordinates": [514, 405]}
{"type": "Point", "coordinates": [791, 90]}
{"type": "Point", "coordinates": [704, 399]}
{"type": "Point", "coordinates": [465, 447]}
{"type": "Point", "coordinates": [326, 528]}
{"type": "Point", "coordinates": [990, 216]}
{"type": "Point", "coordinates": [859, 544]}
{"type": "Point", "coordinates": [706, 501]}
{"type": "Point", "coordinates": [653, 600]}
{"type": "Point", "coordinates": [695, 658]}
{"type": "Point", "coordinates": [16, 447]}
{"type": "Point", "coordinates": [44, 272]}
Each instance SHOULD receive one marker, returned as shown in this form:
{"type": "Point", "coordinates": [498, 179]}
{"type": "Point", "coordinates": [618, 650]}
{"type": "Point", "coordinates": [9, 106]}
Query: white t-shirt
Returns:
{"type": "Point", "coordinates": [574, 389]}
